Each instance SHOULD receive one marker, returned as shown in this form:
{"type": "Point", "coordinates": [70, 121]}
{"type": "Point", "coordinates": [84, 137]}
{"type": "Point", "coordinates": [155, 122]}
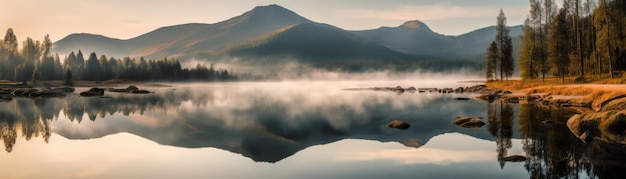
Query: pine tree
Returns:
{"type": "Point", "coordinates": [505, 47]}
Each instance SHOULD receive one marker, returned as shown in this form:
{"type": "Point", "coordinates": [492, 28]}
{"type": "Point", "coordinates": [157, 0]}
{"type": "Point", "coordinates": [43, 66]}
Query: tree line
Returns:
{"type": "Point", "coordinates": [34, 62]}
{"type": "Point", "coordinates": [582, 38]}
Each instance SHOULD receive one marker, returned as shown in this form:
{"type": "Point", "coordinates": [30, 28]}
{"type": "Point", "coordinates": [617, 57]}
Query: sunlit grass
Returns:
{"type": "Point", "coordinates": [591, 91]}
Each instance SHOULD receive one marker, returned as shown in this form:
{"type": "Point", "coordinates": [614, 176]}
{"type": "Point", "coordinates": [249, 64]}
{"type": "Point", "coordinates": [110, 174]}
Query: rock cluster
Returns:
{"type": "Point", "coordinates": [7, 94]}
{"type": "Point", "coordinates": [100, 92]}
{"type": "Point", "coordinates": [398, 89]}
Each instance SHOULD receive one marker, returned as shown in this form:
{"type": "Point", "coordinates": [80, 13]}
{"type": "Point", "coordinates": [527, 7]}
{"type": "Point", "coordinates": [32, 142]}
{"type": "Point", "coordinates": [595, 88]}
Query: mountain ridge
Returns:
{"type": "Point", "coordinates": [409, 42]}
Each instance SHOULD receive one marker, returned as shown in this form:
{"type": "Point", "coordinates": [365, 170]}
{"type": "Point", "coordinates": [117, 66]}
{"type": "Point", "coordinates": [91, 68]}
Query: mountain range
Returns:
{"type": "Point", "coordinates": [268, 33]}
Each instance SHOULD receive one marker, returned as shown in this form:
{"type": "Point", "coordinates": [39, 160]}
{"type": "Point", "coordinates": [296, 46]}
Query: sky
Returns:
{"type": "Point", "coordinates": [124, 19]}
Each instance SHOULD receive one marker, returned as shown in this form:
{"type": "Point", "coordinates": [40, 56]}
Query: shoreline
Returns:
{"type": "Point", "coordinates": [605, 123]}
{"type": "Point", "coordinates": [591, 95]}
{"type": "Point", "coordinates": [79, 84]}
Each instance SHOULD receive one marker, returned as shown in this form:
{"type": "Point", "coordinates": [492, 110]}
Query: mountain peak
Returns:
{"type": "Point", "coordinates": [414, 24]}
{"type": "Point", "coordinates": [273, 13]}
{"type": "Point", "coordinates": [272, 8]}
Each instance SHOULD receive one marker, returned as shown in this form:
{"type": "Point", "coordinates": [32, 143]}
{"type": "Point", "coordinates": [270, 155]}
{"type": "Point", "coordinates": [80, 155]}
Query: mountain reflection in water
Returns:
{"type": "Point", "coordinates": [271, 121]}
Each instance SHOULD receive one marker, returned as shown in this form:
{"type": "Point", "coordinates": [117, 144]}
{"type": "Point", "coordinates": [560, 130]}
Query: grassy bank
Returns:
{"type": "Point", "coordinates": [592, 92]}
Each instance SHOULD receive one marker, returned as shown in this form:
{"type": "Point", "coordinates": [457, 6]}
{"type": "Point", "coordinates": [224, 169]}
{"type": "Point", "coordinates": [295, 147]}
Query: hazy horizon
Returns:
{"type": "Point", "coordinates": [128, 19]}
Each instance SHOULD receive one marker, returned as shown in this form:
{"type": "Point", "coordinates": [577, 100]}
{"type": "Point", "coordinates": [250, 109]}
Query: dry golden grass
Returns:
{"type": "Point", "coordinates": [591, 92]}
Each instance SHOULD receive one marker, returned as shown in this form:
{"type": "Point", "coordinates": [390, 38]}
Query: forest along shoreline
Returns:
{"type": "Point", "coordinates": [601, 107]}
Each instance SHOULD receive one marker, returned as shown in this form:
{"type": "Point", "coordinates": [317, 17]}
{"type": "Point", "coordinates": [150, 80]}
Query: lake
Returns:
{"type": "Point", "coordinates": [291, 130]}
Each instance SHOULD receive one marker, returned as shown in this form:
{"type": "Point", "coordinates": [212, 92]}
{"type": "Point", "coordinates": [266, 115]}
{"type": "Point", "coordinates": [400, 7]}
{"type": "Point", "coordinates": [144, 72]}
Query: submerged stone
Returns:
{"type": "Point", "coordinates": [93, 92]}
{"type": "Point", "coordinates": [513, 158]}
{"type": "Point", "coordinates": [398, 124]}
{"type": "Point", "coordinates": [469, 122]}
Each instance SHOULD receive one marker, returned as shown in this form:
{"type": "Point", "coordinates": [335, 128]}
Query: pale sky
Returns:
{"type": "Point", "coordinates": [125, 19]}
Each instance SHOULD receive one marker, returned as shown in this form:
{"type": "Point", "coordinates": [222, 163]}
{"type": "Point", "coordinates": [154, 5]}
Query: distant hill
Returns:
{"type": "Point", "coordinates": [321, 45]}
{"type": "Point", "coordinates": [271, 33]}
{"type": "Point", "coordinates": [91, 43]}
{"type": "Point", "coordinates": [414, 37]}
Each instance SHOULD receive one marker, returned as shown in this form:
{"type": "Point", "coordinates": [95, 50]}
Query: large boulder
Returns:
{"type": "Point", "coordinates": [93, 92]}
{"type": "Point", "coordinates": [469, 122]}
{"type": "Point", "coordinates": [398, 124]}
{"type": "Point", "coordinates": [606, 126]}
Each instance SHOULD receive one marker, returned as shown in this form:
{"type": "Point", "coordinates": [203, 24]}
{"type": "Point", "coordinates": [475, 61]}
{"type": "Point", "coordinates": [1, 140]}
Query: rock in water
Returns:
{"type": "Point", "coordinates": [398, 124]}
{"type": "Point", "coordinates": [132, 88]}
{"type": "Point", "coordinates": [93, 92]}
{"type": "Point", "coordinates": [119, 90]}
{"type": "Point", "coordinates": [513, 158]}
{"type": "Point", "coordinates": [469, 122]}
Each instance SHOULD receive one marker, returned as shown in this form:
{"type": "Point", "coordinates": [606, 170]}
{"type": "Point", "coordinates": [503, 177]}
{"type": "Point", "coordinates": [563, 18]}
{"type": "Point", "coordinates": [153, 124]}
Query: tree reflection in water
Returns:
{"type": "Point", "coordinates": [32, 117]}
{"type": "Point", "coordinates": [501, 128]}
{"type": "Point", "coordinates": [556, 153]}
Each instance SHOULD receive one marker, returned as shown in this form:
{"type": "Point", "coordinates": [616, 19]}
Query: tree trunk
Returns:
{"type": "Point", "coordinates": [579, 43]}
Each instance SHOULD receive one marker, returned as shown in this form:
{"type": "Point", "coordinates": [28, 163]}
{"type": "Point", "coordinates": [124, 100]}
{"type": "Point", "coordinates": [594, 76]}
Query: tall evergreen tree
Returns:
{"type": "Point", "coordinates": [10, 40]}
{"type": "Point", "coordinates": [92, 68]}
{"type": "Point", "coordinates": [504, 43]}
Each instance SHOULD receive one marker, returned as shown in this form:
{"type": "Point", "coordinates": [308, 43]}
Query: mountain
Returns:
{"type": "Point", "coordinates": [317, 42]}
{"type": "Point", "coordinates": [91, 43]}
{"type": "Point", "coordinates": [269, 34]}
{"type": "Point", "coordinates": [187, 39]}
{"type": "Point", "coordinates": [414, 37]}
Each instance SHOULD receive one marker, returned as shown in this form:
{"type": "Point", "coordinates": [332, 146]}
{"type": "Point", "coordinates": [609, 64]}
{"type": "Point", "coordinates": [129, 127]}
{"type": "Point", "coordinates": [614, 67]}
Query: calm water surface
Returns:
{"type": "Point", "coordinates": [289, 130]}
